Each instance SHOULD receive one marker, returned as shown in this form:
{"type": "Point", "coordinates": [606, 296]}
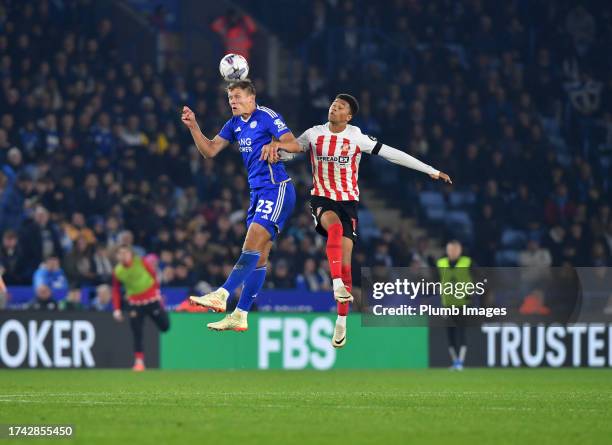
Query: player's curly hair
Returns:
{"type": "Point", "coordinates": [245, 84]}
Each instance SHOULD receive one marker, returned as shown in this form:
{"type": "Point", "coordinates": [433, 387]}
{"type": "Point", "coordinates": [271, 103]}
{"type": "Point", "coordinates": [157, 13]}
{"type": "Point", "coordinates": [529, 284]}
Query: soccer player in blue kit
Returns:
{"type": "Point", "coordinates": [272, 195]}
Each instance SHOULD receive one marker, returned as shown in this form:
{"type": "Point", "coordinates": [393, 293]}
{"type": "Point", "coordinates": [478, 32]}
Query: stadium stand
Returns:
{"type": "Point", "coordinates": [92, 150]}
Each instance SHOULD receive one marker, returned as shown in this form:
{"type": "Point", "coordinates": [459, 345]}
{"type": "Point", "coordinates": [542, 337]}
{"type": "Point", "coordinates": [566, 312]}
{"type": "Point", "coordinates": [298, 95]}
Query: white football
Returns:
{"type": "Point", "coordinates": [233, 67]}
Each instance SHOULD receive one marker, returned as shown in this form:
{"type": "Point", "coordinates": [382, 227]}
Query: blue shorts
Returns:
{"type": "Point", "coordinates": [271, 207]}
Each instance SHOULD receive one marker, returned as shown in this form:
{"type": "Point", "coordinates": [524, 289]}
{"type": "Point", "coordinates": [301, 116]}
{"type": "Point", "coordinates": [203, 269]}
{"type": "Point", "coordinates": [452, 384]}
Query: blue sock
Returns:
{"type": "Point", "coordinates": [252, 285]}
{"type": "Point", "coordinates": [243, 268]}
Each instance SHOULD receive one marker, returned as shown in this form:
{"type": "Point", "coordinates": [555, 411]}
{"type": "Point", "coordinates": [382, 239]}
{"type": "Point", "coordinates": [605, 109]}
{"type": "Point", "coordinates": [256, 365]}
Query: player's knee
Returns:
{"type": "Point", "coordinates": [328, 219]}
{"type": "Point", "coordinates": [162, 320]}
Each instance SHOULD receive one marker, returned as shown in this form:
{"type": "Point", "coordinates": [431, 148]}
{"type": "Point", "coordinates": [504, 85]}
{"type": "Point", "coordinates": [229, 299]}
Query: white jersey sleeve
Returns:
{"type": "Point", "coordinates": [366, 143]}
{"type": "Point", "coordinates": [405, 160]}
{"type": "Point", "coordinates": [304, 140]}
{"type": "Point", "coordinates": [370, 145]}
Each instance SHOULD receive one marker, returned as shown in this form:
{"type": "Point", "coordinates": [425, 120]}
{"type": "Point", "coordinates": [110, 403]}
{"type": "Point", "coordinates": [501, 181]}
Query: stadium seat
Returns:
{"type": "Point", "coordinates": [459, 217]}
{"type": "Point", "coordinates": [460, 224]}
{"type": "Point", "coordinates": [432, 200]}
{"type": "Point", "coordinates": [461, 199]}
{"type": "Point", "coordinates": [435, 213]}
{"type": "Point", "coordinates": [513, 239]}
{"type": "Point", "coordinates": [367, 225]}
{"type": "Point", "coordinates": [507, 258]}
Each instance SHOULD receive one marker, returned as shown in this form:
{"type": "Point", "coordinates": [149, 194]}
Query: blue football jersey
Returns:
{"type": "Point", "coordinates": [252, 134]}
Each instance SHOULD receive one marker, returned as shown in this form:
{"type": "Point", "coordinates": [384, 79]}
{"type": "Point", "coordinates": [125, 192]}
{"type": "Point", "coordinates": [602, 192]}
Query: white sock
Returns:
{"type": "Point", "coordinates": [338, 283]}
{"type": "Point", "coordinates": [453, 353]}
{"type": "Point", "coordinates": [241, 312]}
{"type": "Point", "coordinates": [224, 292]}
{"type": "Point", "coordinates": [341, 320]}
{"type": "Point", "coordinates": [462, 351]}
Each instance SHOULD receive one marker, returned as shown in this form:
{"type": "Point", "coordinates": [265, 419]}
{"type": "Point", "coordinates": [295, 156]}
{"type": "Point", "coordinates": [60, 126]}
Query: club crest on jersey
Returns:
{"type": "Point", "coordinates": [253, 124]}
{"type": "Point", "coordinates": [345, 149]}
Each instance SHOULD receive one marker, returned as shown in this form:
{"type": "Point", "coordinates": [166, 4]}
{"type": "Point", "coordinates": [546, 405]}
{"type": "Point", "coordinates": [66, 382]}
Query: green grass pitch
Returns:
{"type": "Point", "coordinates": [477, 406]}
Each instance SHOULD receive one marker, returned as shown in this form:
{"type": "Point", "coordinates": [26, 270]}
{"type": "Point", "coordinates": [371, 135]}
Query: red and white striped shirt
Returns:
{"type": "Point", "coordinates": [334, 158]}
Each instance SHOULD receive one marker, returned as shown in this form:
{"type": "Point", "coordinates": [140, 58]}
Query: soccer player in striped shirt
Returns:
{"type": "Point", "coordinates": [272, 195]}
{"type": "Point", "coordinates": [335, 151]}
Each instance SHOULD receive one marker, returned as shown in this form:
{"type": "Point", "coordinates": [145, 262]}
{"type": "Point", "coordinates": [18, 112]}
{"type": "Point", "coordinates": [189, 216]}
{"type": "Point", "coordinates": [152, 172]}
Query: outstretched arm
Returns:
{"type": "Point", "coordinates": [405, 160]}
{"type": "Point", "coordinates": [206, 147]}
{"type": "Point", "coordinates": [287, 143]}
{"type": "Point", "coordinates": [370, 145]}
{"type": "Point", "coordinates": [287, 150]}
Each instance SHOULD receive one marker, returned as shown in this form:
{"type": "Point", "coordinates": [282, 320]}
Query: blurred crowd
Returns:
{"type": "Point", "coordinates": [93, 155]}
{"type": "Point", "coordinates": [512, 100]}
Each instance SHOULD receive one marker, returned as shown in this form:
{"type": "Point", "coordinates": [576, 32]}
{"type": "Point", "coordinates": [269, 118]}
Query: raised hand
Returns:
{"type": "Point", "coordinates": [188, 118]}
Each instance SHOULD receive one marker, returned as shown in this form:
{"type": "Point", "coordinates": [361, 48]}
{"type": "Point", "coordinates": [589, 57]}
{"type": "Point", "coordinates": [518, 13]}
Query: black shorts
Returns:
{"type": "Point", "coordinates": [346, 211]}
{"type": "Point", "coordinates": [157, 313]}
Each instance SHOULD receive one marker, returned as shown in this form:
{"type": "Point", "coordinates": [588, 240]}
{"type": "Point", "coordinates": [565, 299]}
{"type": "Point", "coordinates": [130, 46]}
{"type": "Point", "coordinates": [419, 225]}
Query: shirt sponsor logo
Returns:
{"type": "Point", "coordinates": [245, 145]}
{"type": "Point", "coordinates": [338, 159]}
{"type": "Point", "coordinates": [280, 124]}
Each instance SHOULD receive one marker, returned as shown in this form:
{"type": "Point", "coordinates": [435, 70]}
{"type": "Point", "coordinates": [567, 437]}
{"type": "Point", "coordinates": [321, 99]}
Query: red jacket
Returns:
{"type": "Point", "coordinates": [237, 37]}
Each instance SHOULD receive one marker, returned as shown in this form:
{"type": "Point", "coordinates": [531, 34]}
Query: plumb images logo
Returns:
{"type": "Point", "coordinates": [412, 289]}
